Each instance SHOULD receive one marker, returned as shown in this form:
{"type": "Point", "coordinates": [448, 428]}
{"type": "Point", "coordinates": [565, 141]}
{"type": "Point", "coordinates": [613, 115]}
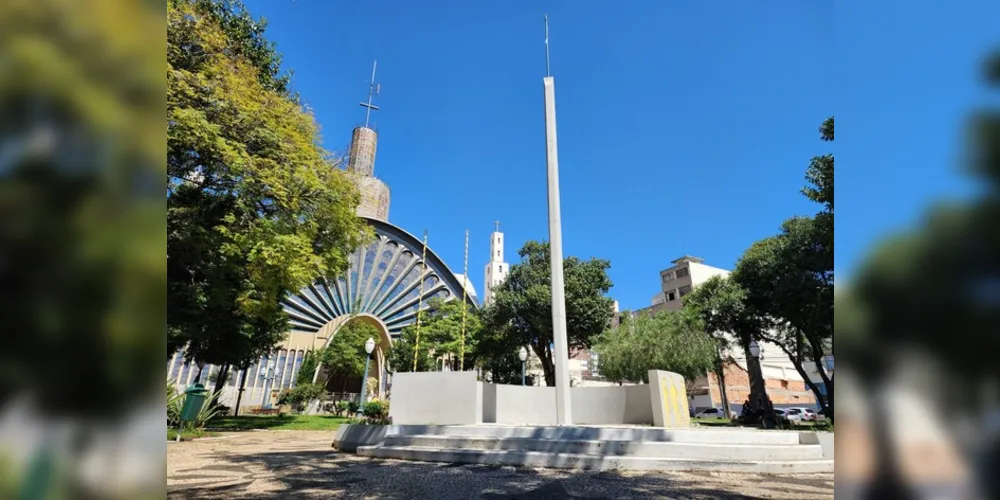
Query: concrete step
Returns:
{"type": "Point", "coordinates": [634, 433]}
{"type": "Point", "coordinates": [673, 450]}
{"type": "Point", "coordinates": [591, 462]}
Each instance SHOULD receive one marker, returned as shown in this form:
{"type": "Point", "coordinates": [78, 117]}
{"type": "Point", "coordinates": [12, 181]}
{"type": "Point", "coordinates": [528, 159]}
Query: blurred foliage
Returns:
{"type": "Point", "coordinates": [82, 230]}
{"type": "Point", "coordinates": [440, 336]}
{"type": "Point", "coordinates": [256, 208]}
{"type": "Point", "coordinates": [888, 302]}
{"type": "Point", "coordinates": [933, 292]}
{"type": "Point", "coordinates": [521, 314]}
{"type": "Point", "coordinates": [668, 340]}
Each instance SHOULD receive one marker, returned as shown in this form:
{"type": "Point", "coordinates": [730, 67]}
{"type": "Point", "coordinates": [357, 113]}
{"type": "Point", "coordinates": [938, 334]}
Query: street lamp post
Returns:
{"type": "Point", "coordinates": [267, 375]}
{"type": "Point", "coordinates": [369, 347]}
{"type": "Point", "coordinates": [523, 354]}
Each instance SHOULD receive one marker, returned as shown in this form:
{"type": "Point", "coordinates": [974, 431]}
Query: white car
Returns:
{"type": "Point", "coordinates": [711, 413]}
{"type": "Point", "coordinates": [790, 415]}
{"type": "Point", "coordinates": [808, 414]}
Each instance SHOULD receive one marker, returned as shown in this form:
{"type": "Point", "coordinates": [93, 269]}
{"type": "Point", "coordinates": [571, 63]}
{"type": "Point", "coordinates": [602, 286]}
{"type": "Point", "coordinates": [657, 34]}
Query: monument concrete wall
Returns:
{"type": "Point", "coordinates": [669, 399]}
{"type": "Point", "coordinates": [458, 398]}
{"type": "Point", "coordinates": [516, 404]}
{"type": "Point", "coordinates": [436, 398]}
{"type": "Point", "coordinates": [489, 402]}
{"type": "Point", "coordinates": [612, 405]}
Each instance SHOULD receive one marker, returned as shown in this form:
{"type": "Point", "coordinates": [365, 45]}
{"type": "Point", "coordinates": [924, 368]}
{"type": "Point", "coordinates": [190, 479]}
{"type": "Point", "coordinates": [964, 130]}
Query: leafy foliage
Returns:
{"type": "Point", "coordinates": [308, 368]}
{"type": "Point", "coordinates": [669, 340]}
{"type": "Point", "coordinates": [521, 315]}
{"type": "Point", "coordinates": [174, 404]}
{"type": "Point", "coordinates": [376, 409]}
{"type": "Point", "coordinates": [345, 355]}
{"type": "Point", "coordinates": [440, 336]}
{"type": "Point", "coordinates": [789, 280]}
{"type": "Point", "coordinates": [255, 207]}
{"type": "Point", "coordinates": [300, 396]}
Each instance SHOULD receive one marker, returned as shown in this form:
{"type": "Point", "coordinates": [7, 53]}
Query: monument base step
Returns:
{"type": "Point", "coordinates": [607, 448]}
{"type": "Point", "coordinates": [545, 459]}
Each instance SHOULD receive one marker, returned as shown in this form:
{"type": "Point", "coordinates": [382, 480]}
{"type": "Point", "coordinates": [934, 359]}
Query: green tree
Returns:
{"type": "Point", "coordinates": [789, 277]}
{"type": "Point", "coordinates": [308, 368]}
{"type": "Point", "coordinates": [776, 273]}
{"type": "Point", "coordinates": [345, 355]}
{"type": "Point", "coordinates": [440, 337]}
{"type": "Point", "coordinates": [727, 318]}
{"type": "Point", "coordinates": [668, 340]}
{"type": "Point", "coordinates": [255, 207]}
{"type": "Point", "coordinates": [522, 314]}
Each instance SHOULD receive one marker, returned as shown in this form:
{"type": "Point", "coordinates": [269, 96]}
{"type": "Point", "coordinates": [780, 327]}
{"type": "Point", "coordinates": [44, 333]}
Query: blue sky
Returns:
{"type": "Point", "coordinates": [684, 127]}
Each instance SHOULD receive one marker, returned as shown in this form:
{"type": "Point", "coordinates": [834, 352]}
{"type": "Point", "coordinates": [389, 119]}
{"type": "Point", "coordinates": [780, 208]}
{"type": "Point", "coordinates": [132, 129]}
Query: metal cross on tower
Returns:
{"type": "Point", "coordinates": [496, 226]}
{"type": "Point", "coordinates": [373, 89]}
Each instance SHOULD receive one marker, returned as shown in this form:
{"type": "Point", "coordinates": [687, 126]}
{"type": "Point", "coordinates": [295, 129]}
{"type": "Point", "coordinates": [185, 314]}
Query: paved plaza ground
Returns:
{"type": "Point", "coordinates": [291, 465]}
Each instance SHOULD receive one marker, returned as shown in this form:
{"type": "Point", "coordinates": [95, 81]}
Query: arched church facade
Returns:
{"type": "Point", "coordinates": [381, 287]}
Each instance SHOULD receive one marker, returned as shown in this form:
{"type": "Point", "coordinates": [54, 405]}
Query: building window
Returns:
{"type": "Point", "coordinates": [684, 290]}
{"type": "Point", "coordinates": [682, 272]}
{"type": "Point", "coordinates": [671, 296]}
{"type": "Point", "coordinates": [667, 277]}
{"type": "Point", "coordinates": [828, 361]}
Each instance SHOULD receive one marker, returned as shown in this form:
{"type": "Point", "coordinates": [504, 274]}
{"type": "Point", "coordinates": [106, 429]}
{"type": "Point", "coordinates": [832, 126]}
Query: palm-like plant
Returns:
{"type": "Point", "coordinates": [175, 400]}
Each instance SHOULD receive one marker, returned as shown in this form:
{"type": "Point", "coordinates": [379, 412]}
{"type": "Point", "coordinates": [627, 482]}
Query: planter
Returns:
{"type": "Point", "coordinates": [350, 436]}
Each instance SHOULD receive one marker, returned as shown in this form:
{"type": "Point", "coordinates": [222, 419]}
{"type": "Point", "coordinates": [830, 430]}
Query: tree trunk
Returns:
{"type": "Point", "coordinates": [758, 390]}
{"type": "Point", "coordinates": [824, 401]}
{"type": "Point", "coordinates": [239, 394]}
{"type": "Point", "coordinates": [220, 382]}
{"type": "Point", "coordinates": [548, 368]}
{"type": "Point", "coordinates": [720, 373]}
{"type": "Point", "coordinates": [827, 381]}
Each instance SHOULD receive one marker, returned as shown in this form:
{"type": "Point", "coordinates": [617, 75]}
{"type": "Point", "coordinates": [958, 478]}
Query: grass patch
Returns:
{"type": "Point", "coordinates": [277, 422]}
{"type": "Point", "coordinates": [189, 434]}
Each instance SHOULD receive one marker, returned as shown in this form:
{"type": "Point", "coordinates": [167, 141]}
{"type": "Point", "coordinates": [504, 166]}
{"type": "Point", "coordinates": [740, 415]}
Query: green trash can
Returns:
{"type": "Point", "coordinates": [194, 399]}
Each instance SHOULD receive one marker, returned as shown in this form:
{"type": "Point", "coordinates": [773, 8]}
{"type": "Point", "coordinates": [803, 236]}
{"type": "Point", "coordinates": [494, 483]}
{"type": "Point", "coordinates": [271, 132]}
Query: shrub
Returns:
{"type": "Point", "coordinates": [376, 409]}
{"type": "Point", "coordinates": [174, 403]}
{"type": "Point", "coordinates": [300, 396]}
{"type": "Point", "coordinates": [375, 413]}
{"type": "Point", "coordinates": [342, 407]}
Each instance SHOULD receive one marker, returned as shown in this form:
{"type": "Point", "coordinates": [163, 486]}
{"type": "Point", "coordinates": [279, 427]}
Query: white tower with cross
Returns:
{"type": "Point", "coordinates": [496, 268]}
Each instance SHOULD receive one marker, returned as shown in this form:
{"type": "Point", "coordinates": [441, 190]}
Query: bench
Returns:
{"type": "Point", "coordinates": [265, 411]}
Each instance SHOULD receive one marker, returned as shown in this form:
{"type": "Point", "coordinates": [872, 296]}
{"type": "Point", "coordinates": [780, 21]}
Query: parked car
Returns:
{"type": "Point", "coordinates": [790, 415]}
{"type": "Point", "coordinates": [711, 413]}
{"type": "Point", "coordinates": [808, 414]}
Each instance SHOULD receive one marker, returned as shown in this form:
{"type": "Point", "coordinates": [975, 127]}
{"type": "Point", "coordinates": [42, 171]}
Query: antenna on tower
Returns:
{"type": "Point", "coordinates": [373, 89]}
{"type": "Point", "coordinates": [547, 72]}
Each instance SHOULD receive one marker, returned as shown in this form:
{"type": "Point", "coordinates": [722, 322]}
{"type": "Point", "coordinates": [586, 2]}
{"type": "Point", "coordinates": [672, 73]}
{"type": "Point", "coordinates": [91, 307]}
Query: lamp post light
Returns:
{"type": "Point", "coordinates": [755, 349]}
{"type": "Point", "coordinates": [369, 347]}
{"type": "Point", "coordinates": [523, 354]}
